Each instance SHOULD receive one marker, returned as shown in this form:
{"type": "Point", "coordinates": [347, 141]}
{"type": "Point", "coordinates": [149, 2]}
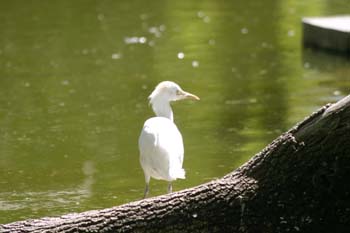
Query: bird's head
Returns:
{"type": "Point", "coordinates": [170, 91]}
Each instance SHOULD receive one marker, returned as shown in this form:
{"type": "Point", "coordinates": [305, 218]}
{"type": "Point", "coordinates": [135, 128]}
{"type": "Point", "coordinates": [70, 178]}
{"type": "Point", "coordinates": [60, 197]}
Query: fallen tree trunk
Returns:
{"type": "Point", "coordinates": [298, 183]}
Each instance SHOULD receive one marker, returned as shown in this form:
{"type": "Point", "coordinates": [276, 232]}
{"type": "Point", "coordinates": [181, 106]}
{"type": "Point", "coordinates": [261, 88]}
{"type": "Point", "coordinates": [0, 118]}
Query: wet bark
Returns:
{"type": "Point", "coordinates": [298, 183]}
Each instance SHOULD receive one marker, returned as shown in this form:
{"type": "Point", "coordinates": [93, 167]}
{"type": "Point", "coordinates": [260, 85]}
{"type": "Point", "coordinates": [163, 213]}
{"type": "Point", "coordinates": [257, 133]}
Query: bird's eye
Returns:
{"type": "Point", "coordinates": [178, 92]}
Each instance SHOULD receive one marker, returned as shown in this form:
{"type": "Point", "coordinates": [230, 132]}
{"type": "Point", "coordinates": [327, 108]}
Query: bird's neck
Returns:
{"type": "Point", "coordinates": [162, 109]}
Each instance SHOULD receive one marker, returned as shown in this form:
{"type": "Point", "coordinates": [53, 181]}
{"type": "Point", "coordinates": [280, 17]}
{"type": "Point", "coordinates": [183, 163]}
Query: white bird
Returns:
{"type": "Point", "coordinates": [160, 142]}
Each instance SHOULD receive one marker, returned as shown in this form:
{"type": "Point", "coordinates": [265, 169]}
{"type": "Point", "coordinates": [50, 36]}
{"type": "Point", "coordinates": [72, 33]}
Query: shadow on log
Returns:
{"type": "Point", "coordinates": [298, 183]}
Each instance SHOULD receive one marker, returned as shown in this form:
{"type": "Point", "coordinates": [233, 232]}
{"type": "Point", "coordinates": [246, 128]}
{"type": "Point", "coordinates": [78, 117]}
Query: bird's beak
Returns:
{"type": "Point", "coordinates": [188, 95]}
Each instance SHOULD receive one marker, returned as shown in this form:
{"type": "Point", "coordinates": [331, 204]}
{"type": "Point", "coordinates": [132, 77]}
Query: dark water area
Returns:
{"type": "Point", "coordinates": [75, 77]}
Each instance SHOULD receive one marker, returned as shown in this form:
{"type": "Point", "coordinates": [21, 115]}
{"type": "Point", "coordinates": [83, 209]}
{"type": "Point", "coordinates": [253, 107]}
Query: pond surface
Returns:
{"type": "Point", "coordinates": [75, 77]}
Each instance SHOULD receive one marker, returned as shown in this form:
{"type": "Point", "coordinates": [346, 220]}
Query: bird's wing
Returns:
{"type": "Point", "coordinates": [161, 148]}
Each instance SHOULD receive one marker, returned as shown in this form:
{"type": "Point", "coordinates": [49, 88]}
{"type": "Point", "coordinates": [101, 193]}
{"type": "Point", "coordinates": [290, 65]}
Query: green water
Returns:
{"type": "Point", "coordinates": [75, 76]}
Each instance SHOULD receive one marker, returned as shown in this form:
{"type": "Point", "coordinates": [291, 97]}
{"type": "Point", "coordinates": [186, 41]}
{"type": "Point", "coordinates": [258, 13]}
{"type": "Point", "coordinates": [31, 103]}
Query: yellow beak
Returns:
{"type": "Point", "coordinates": [188, 95]}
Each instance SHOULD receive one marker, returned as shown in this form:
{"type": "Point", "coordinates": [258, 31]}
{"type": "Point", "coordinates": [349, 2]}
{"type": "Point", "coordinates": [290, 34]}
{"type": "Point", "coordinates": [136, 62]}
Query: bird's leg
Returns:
{"type": "Point", "coordinates": [145, 194]}
{"type": "Point", "coordinates": [170, 187]}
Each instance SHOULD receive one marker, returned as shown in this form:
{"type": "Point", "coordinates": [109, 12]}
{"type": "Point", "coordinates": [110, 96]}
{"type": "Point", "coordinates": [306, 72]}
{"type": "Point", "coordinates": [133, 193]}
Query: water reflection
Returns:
{"type": "Point", "coordinates": [33, 203]}
{"type": "Point", "coordinates": [324, 65]}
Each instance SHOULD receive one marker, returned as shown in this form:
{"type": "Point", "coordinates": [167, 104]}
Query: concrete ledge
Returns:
{"type": "Point", "coordinates": [330, 33]}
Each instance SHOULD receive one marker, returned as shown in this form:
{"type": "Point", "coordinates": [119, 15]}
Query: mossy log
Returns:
{"type": "Point", "coordinates": [298, 183]}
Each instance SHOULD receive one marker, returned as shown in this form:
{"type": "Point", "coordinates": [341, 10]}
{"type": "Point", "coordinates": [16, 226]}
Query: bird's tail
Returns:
{"type": "Point", "coordinates": [178, 173]}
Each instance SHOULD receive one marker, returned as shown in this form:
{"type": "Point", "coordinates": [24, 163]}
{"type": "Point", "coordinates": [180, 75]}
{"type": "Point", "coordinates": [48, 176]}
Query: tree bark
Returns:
{"type": "Point", "coordinates": [298, 183]}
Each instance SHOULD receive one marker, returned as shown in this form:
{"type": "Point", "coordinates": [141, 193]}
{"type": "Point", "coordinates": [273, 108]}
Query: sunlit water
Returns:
{"type": "Point", "coordinates": [75, 76]}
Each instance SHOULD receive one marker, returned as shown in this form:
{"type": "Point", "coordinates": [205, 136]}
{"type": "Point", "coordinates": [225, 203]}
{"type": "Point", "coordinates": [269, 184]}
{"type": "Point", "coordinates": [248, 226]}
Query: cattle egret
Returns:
{"type": "Point", "coordinates": [160, 142]}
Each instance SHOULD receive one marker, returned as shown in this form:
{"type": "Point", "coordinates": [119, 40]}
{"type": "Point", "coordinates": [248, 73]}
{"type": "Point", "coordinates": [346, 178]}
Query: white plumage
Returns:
{"type": "Point", "coordinates": [160, 142]}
